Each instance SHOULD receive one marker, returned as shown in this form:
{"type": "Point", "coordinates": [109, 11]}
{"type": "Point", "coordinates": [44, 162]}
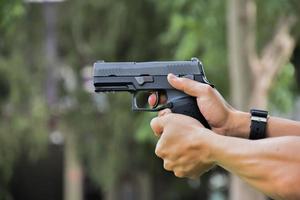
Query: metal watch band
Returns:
{"type": "Point", "coordinates": [258, 124]}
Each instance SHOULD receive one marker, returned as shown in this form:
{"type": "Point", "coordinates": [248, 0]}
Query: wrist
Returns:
{"type": "Point", "coordinates": [206, 143]}
{"type": "Point", "coordinates": [216, 145]}
{"type": "Point", "coordinates": [239, 124]}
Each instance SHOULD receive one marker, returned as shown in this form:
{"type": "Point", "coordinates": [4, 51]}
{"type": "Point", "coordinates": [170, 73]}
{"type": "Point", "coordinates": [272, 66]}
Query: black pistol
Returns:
{"type": "Point", "coordinates": [144, 78]}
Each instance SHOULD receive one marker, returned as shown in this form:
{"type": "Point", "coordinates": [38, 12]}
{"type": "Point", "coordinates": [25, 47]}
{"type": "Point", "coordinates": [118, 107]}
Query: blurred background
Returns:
{"type": "Point", "coordinates": [59, 140]}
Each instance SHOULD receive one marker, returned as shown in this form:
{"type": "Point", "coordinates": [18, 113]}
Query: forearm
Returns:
{"type": "Point", "coordinates": [241, 121]}
{"type": "Point", "coordinates": [270, 165]}
{"type": "Point", "coordinates": [280, 127]}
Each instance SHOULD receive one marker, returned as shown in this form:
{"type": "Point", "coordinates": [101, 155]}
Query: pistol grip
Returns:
{"type": "Point", "coordinates": [188, 106]}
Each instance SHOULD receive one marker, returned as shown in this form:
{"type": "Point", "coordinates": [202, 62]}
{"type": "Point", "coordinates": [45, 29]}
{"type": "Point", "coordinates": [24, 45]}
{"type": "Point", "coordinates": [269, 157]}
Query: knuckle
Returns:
{"type": "Point", "coordinates": [193, 87]}
{"type": "Point", "coordinates": [168, 166]}
{"type": "Point", "coordinates": [159, 152]}
{"type": "Point", "coordinates": [206, 88]}
{"type": "Point", "coordinates": [179, 174]}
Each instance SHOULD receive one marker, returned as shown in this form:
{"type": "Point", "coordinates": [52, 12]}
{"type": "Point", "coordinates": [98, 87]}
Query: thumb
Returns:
{"type": "Point", "coordinates": [188, 86]}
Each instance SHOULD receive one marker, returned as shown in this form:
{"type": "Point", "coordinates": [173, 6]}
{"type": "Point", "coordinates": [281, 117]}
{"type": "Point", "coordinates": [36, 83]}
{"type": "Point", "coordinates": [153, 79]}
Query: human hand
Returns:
{"type": "Point", "coordinates": [184, 144]}
{"type": "Point", "coordinates": [219, 114]}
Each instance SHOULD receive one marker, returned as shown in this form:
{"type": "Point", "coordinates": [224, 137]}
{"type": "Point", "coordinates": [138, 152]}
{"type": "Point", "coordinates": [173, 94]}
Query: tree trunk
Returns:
{"type": "Point", "coordinates": [73, 184]}
{"type": "Point", "coordinates": [239, 70]}
{"type": "Point", "coordinates": [144, 183]}
{"type": "Point", "coordinates": [241, 82]}
{"type": "Point", "coordinates": [134, 186]}
{"type": "Point", "coordinates": [73, 173]}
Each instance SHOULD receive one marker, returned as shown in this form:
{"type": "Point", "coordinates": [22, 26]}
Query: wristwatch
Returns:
{"type": "Point", "coordinates": [259, 120]}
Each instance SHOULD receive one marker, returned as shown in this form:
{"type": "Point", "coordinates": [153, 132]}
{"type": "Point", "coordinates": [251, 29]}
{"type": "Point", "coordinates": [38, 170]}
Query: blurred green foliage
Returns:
{"type": "Point", "coordinates": [269, 13]}
{"type": "Point", "coordinates": [112, 142]}
{"type": "Point", "coordinates": [23, 111]}
{"type": "Point", "coordinates": [9, 12]}
{"type": "Point", "coordinates": [283, 91]}
{"type": "Point", "coordinates": [198, 29]}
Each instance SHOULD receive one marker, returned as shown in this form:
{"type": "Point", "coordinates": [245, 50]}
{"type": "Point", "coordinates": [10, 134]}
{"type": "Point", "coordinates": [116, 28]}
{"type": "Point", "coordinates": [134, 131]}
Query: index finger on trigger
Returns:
{"type": "Point", "coordinates": [152, 100]}
{"type": "Point", "coordinates": [157, 98]}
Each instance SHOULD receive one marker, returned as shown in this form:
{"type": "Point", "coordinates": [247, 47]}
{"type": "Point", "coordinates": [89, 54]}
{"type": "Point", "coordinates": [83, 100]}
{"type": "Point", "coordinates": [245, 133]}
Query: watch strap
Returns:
{"type": "Point", "coordinates": [258, 124]}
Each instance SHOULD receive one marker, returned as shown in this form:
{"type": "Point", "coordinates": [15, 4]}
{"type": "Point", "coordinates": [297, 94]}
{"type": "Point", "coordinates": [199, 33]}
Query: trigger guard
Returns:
{"type": "Point", "coordinates": [157, 107]}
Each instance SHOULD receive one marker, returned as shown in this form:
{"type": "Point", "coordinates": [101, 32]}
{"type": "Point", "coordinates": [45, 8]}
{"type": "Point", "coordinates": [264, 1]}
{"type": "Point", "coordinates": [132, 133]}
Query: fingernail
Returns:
{"type": "Point", "coordinates": [172, 76]}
